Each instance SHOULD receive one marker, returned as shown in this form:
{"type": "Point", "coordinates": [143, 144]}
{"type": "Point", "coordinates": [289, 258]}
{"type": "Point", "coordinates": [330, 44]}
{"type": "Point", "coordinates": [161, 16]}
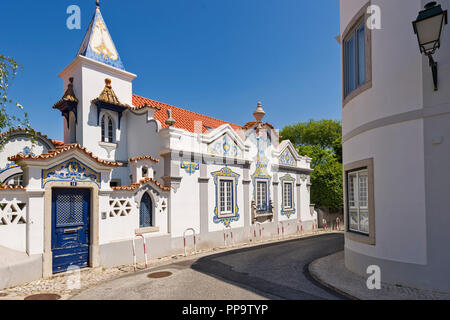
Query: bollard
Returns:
{"type": "Point", "coordinates": [225, 236]}
{"type": "Point", "coordinates": [184, 240]}
{"type": "Point", "coordinates": [134, 251]}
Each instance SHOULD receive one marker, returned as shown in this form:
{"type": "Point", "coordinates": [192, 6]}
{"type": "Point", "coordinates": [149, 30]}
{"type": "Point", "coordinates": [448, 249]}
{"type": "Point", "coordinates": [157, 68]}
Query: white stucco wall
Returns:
{"type": "Point", "coordinates": [399, 190]}
{"type": "Point", "coordinates": [396, 64]}
{"type": "Point", "coordinates": [13, 235]}
{"type": "Point", "coordinates": [409, 187]}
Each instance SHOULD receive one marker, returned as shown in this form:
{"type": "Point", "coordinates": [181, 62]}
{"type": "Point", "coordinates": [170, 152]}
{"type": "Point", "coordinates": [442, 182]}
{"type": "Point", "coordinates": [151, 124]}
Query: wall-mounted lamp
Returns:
{"type": "Point", "coordinates": [428, 28]}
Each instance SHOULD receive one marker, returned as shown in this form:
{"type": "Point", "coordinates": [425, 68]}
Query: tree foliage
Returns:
{"type": "Point", "coordinates": [8, 116]}
{"type": "Point", "coordinates": [321, 141]}
{"type": "Point", "coordinates": [12, 114]}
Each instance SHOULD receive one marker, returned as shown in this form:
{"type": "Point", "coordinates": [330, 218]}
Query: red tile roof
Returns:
{"type": "Point", "coordinates": [185, 118]}
{"type": "Point", "coordinates": [61, 149]}
{"type": "Point", "coordinates": [142, 182]}
{"type": "Point", "coordinates": [7, 187]}
{"type": "Point", "coordinates": [58, 143]}
{"type": "Point", "coordinates": [143, 158]}
{"type": "Point", "coordinates": [251, 124]}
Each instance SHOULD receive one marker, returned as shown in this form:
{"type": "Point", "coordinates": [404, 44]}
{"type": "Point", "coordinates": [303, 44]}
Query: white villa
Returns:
{"type": "Point", "coordinates": [131, 165]}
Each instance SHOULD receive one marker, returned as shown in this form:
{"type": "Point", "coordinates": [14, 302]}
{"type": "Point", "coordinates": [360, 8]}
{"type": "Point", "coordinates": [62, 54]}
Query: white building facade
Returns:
{"type": "Point", "coordinates": [396, 137]}
{"type": "Point", "coordinates": [131, 165]}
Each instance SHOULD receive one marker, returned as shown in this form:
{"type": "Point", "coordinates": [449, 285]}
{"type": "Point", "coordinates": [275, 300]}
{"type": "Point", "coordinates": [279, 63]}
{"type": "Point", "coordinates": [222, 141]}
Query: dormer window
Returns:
{"type": "Point", "coordinates": [144, 172]}
{"type": "Point", "coordinates": [107, 129]}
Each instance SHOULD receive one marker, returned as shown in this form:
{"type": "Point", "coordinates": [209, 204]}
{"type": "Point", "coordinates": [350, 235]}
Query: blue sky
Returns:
{"type": "Point", "coordinates": [217, 57]}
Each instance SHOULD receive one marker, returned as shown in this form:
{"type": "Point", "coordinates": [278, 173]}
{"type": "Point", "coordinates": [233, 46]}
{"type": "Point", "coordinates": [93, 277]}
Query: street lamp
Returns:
{"type": "Point", "coordinates": [428, 28]}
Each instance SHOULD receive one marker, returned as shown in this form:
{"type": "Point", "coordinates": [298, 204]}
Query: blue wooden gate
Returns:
{"type": "Point", "coordinates": [70, 228]}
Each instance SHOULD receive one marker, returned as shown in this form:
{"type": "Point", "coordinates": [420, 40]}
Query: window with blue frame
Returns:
{"type": "Point", "coordinates": [355, 59]}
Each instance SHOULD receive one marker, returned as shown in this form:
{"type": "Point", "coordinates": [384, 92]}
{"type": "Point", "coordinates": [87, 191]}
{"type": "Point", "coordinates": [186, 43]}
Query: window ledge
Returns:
{"type": "Point", "coordinates": [366, 86]}
{"type": "Point", "coordinates": [146, 230]}
{"type": "Point", "coordinates": [264, 214]}
{"type": "Point", "coordinates": [359, 237]}
{"type": "Point", "coordinates": [108, 146]}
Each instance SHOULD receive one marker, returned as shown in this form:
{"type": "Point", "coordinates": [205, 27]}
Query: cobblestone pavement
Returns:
{"type": "Point", "coordinates": [331, 271]}
{"type": "Point", "coordinates": [65, 284]}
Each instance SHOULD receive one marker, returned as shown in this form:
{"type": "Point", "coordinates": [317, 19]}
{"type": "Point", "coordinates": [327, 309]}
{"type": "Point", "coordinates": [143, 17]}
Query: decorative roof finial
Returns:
{"type": "Point", "coordinates": [170, 121]}
{"type": "Point", "coordinates": [259, 112]}
{"type": "Point", "coordinates": [98, 3]}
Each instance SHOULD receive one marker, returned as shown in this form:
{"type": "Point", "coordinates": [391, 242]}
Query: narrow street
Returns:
{"type": "Point", "coordinates": [272, 271]}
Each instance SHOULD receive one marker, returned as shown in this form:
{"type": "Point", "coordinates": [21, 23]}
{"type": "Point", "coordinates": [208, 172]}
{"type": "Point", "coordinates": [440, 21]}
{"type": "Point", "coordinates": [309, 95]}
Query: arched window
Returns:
{"type": "Point", "coordinates": [16, 180]}
{"type": "Point", "coordinates": [107, 129]}
{"type": "Point", "coordinates": [146, 212]}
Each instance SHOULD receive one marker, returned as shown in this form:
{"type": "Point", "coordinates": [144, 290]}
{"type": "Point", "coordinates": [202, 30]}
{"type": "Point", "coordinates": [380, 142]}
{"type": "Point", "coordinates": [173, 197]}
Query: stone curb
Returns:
{"type": "Point", "coordinates": [330, 271]}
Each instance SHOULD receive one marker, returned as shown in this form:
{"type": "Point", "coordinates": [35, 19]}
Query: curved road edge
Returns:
{"type": "Point", "coordinates": [317, 274]}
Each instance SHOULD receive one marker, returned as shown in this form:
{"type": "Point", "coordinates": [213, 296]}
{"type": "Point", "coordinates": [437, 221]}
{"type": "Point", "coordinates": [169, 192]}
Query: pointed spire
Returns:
{"type": "Point", "coordinates": [259, 112]}
{"type": "Point", "coordinates": [69, 96]}
{"type": "Point", "coordinates": [109, 96]}
{"type": "Point", "coordinates": [97, 43]}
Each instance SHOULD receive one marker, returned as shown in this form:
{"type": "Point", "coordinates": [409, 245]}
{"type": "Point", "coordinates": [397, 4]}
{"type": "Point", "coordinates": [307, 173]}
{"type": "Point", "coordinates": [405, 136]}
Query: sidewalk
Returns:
{"type": "Point", "coordinates": [331, 272]}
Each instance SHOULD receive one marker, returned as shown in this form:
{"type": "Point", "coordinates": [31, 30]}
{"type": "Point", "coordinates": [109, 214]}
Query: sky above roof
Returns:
{"type": "Point", "coordinates": [214, 57]}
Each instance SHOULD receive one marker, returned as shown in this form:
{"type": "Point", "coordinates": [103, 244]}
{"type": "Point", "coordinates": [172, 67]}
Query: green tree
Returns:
{"type": "Point", "coordinates": [321, 141]}
{"type": "Point", "coordinates": [9, 110]}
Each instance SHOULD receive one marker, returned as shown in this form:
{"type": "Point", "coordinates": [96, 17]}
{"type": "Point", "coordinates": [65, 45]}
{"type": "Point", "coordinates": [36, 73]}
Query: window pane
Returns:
{"type": "Point", "coordinates": [351, 190]}
{"type": "Point", "coordinates": [226, 196]}
{"type": "Point", "coordinates": [261, 195]}
{"type": "Point", "coordinates": [363, 190]}
{"type": "Point", "coordinates": [103, 128]}
{"type": "Point", "coordinates": [229, 197]}
{"type": "Point", "coordinates": [222, 196]}
{"type": "Point", "coordinates": [358, 200]}
{"type": "Point", "coordinates": [354, 220]}
{"type": "Point", "coordinates": [110, 130]}
{"type": "Point", "coordinates": [351, 62]}
{"type": "Point", "coordinates": [287, 195]}
{"type": "Point", "coordinates": [361, 56]}
{"type": "Point", "coordinates": [364, 221]}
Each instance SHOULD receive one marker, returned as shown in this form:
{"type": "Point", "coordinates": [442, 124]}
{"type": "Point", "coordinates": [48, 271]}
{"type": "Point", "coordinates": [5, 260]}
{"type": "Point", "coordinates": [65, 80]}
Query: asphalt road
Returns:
{"type": "Point", "coordinates": [273, 271]}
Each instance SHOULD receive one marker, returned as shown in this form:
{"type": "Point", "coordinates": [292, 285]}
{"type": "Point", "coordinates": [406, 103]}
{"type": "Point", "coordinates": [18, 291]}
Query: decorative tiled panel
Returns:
{"type": "Point", "coordinates": [72, 171]}
{"type": "Point", "coordinates": [225, 146]}
{"type": "Point", "coordinates": [190, 167]}
{"type": "Point", "coordinates": [287, 158]}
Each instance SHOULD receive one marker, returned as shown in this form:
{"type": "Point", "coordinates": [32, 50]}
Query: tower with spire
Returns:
{"type": "Point", "coordinates": [101, 92]}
